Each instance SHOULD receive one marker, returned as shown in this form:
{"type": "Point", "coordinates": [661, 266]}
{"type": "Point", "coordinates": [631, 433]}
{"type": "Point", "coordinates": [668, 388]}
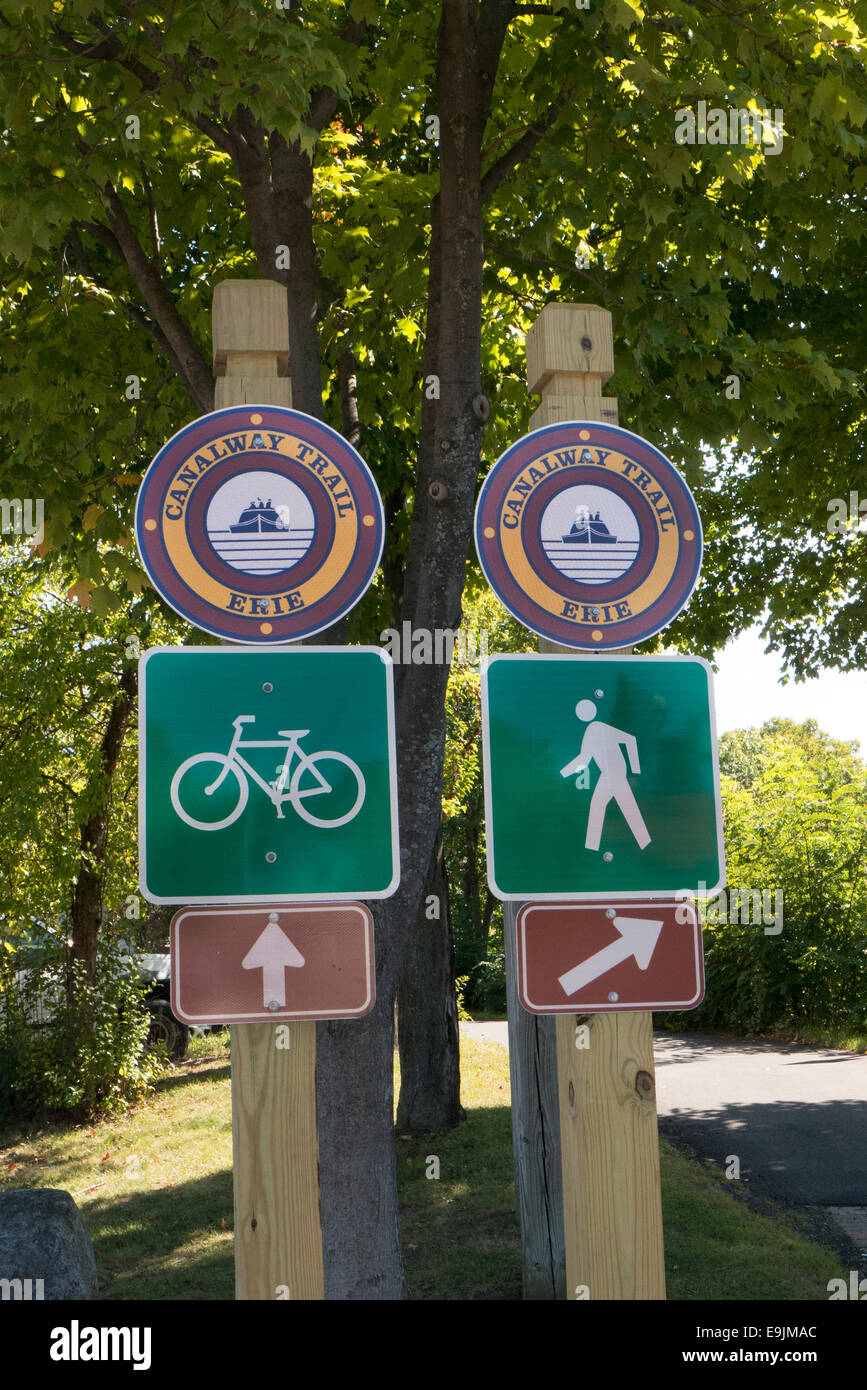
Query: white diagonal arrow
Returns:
{"type": "Point", "coordinates": [638, 938]}
{"type": "Point", "coordinates": [271, 952]}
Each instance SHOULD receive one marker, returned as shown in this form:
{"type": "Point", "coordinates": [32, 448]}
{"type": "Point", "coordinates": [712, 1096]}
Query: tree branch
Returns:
{"type": "Point", "coordinates": [770, 40]}
{"type": "Point", "coordinates": [131, 310]}
{"type": "Point", "coordinates": [184, 353]}
{"type": "Point", "coordinates": [349, 422]}
{"type": "Point", "coordinates": [324, 101]}
{"type": "Point", "coordinates": [513, 254]}
{"type": "Point", "coordinates": [512, 157]}
{"type": "Point", "coordinates": [250, 157]}
{"type": "Point", "coordinates": [154, 224]}
{"type": "Point", "coordinates": [111, 50]}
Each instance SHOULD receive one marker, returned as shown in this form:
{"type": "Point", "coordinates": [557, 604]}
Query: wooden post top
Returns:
{"type": "Point", "coordinates": [572, 340]}
{"type": "Point", "coordinates": [250, 316]}
{"type": "Point", "coordinates": [570, 353]}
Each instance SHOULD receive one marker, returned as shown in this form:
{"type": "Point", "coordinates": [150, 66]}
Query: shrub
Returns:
{"type": "Point", "coordinates": [485, 991]}
{"type": "Point", "coordinates": [69, 1046]}
{"type": "Point", "coordinates": [795, 816]}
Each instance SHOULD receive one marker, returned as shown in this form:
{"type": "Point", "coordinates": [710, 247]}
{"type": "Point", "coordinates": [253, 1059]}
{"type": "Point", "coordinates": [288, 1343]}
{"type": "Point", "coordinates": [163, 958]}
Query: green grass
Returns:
{"type": "Point", "coordinates": [155, 1189]}
{"type": "Point", "coordinates": [846, 1038]}
{"type": "Point", "coordinates": [154, 1186]}
{"type": "Point", "coordinates": [717, 1248]}
{"type": "Point", "coordinates": [460, 1231]}
{"type": "Point", "coordinates": [842, 1037]}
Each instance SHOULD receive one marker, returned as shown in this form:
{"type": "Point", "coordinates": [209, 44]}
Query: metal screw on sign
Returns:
{"type": "Point", "coordinates": [270, 857]}
{"type": "Point", "coordinates": [613, 997]}
{"type": "Point", "coordinates": [608, 856]}
{"type": "Point", "coordinates": [267, 687]}
{"type": "Point", "coordinates": [611, 912]}
{"type": "Point", "coordinates": [598, 694]}
{"type": "Point", "coordinates": [273, 1005]}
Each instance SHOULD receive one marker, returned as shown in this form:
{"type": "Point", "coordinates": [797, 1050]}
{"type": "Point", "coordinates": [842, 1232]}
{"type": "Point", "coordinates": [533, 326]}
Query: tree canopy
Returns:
{"type": "Point", "coordinates": [785, 943]}
{"type": "Point", "coordinates": [148, 155]}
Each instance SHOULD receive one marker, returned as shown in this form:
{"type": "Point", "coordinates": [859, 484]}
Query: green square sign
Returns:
{"type": "Point", "coordinates": [267, 775]}
{"type": "Point", "coordinates": [601, 777]}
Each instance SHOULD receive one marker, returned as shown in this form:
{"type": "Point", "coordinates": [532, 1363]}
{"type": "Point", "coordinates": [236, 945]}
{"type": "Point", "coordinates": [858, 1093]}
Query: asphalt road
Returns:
{"type": "Point", "coordinates": [795, 1117]}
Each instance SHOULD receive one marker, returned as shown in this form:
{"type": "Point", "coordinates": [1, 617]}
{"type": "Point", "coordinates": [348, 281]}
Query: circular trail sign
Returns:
{"type": "Point", "coordinates": [259, 524]}
{"type": "Point", "coordinates": [588, 535]}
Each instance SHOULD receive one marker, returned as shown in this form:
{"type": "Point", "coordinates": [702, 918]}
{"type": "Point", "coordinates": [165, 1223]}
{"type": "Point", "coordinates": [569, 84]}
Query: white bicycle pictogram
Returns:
{"type": "Point", "coordinates": [306, 779]}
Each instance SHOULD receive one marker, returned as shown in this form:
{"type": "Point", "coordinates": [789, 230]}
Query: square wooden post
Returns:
{"type": "Point", "coordinates": [609, 1144]}
{"type": "Point", "coordinates": [278, 1233]}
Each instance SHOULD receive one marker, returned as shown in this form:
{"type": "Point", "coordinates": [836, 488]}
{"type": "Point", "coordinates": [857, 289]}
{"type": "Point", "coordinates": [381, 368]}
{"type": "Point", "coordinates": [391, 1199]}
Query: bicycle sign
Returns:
{"type": "Point", "coordinates": [292, 799]}
{"type": "Point", "coordinates": [307, 780]}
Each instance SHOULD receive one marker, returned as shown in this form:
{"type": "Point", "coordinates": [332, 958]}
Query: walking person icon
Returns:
{"type": "Point", "coordinates": [603, 745]}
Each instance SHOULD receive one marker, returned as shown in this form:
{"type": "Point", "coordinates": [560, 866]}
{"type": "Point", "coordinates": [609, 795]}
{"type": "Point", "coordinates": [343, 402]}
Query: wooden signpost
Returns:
{"type": "Point", "coordinates": [609, 1141]}
{"type": "Point", "coordinates": [263, 526]}
{"type": "Point", "coordinates": [278, 1233]}
{"type": "Point", "coordinates": [607, 1176]}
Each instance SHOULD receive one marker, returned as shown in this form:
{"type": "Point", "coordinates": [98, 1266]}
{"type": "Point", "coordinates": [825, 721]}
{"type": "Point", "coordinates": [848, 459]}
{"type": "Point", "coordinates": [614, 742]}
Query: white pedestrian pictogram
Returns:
{"type": "Point", "coordinates": [603, 745]}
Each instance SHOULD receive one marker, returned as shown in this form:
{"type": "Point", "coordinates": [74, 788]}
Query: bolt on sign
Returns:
{"type": "Point", "coordinates": [605, 957]}
{"type": "Point", "coordinates": [601, 777]}
{"type": "Point", "coordinates": [588, 535]}
{"type": "Point", "coordinates": [293, 963]}
{"type": "Point", "coordinates": [268, 775]}
{"type": "Point", "coordinates": [259, 524]}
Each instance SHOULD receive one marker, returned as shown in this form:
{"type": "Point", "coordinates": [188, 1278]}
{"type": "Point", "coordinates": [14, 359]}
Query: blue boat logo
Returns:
{"type": "Point", "coordinates": [589, 530]}
{"type": "Point", "coordinates": [602, 541]}
{"type": "Point", "coordinates": [261, 517]}
{"type": "Point", "coordinates": [260, 523]}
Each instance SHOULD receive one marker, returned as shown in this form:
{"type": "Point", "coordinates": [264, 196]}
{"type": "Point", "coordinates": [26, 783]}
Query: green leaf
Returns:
{"type": "Point", "coordinates": [622, 14]}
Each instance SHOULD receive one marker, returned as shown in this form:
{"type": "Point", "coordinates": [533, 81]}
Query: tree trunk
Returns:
{"type": "Point", "coordinates": [354, 1068]}
{"type": "Point", "coordinates": [355, 1058]}
{"type": "Point", "coordinates": [357, 1161]}
{"type": "Point", "coordinates": [86, 910]}
{"type": "Point", "coordinates": [535, 1134]}
{"type": "Point", "coordinates": [428, 1043]}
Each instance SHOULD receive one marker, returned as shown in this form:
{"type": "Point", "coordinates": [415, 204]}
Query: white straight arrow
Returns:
{"type": "Point", "coordinates": [271, 953]}
{"type": "Point", "coordinates": [638, 938]}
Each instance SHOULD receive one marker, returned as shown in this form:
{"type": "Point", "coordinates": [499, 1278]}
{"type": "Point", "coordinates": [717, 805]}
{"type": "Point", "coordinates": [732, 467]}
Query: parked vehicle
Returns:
{"type": "Point", "coordinates": [153, 968]}
{"type": "Point", "coordinates": [165, 1028]}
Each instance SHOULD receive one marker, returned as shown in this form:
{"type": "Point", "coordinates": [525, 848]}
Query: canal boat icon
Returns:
{"type": "Point", "coordinates": [588, 530]}
{"type": "Point", "coordinates": [261, 517]}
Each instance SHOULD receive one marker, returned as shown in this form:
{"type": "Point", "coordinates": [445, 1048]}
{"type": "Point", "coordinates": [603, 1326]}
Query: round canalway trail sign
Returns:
{"type": "Point", "coordinates": [588, 535]}
{"type": "Point", "coordinates": [259, 524]}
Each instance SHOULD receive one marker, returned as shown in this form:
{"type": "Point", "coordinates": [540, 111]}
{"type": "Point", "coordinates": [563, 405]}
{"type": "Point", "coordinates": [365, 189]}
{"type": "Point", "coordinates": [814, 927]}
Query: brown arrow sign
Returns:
{"type": "Point", "coordinates": [606, 956]}
{"type": "Point", "coordinates": [277, 964]}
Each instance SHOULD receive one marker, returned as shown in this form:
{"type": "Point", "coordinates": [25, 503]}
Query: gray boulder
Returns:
{"type": "Point", "coordinates": [43, 1237]}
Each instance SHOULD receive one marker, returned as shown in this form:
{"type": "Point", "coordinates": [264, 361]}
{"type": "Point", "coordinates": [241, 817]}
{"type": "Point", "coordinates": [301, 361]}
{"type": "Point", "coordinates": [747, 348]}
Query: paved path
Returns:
{"type": "Point", "coordinates": [491, 1032]}
{"type": "Point", "coordinates": [796, 1117]}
